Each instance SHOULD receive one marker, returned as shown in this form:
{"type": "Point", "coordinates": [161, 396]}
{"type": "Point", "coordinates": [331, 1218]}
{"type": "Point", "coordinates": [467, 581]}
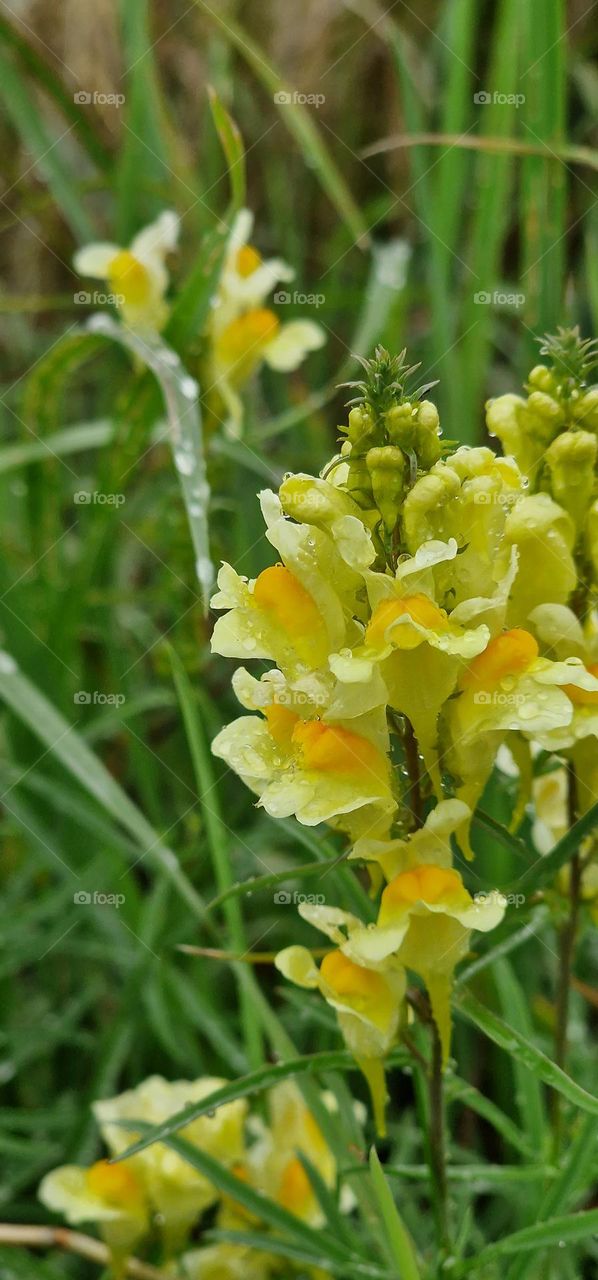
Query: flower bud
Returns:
{"type": "Point", "coordinates": [386, 466]}
{"type": "Point", "coordinates": [585, 409]}
{"type": "Point", "coordinates": [571, 460]}
{"type": "Point", "coordinates": [361, 428]}
{"type": "Point", "coordinates": [311, 500]}
{"type": "Point", "coordinates": [359, 483]}
{"type": "Point", "coordinates": [401, 425]}
{"type": "Point", "coordinates": [542, 378]}
{"type": "Point", "coordinates": [592, 537]}
{"type": "Point", "coordinates": [547, 409]}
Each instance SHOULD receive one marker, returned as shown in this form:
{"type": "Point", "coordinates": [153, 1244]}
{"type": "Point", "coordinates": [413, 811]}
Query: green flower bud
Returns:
{"type": "Point", "coordinates": [387, 466]}
{"type": "Point", "coordinates": [571, 460]}
{"type": "Point", "coordinates": [361, 428]}
{"type": "Point", "coordinates": [547, 409]}
{"type": "Point", "coordinates": [585, 409]}
{"type": "Point", "coordinates": [359, 483]}
{"type": "Point", "coordinates": [592, 537]}
{"type": "Point", "coordinates": [311, 500]}
{"type": "Point", "coordinates": [542, 378]}
{"type": "Point", "coordinates": [400, 425]}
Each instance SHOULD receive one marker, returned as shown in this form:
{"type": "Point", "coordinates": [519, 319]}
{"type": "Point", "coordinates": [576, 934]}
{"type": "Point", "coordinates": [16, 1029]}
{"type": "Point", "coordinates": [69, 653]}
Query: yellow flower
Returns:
{"type": "Point", "coordinates": [425, 922]}
{"type": "Point", "coordinates": [111, 1195]}
{"type": "Point", "coordinates": [225, 1262]}
{"type": "Point", "coordinates": [243, 332]}
{"type": "Point", "coordinates": [176, 1191]}
{"type": "Point", "coordinates": [320, 771]}
{"type": "Point", "coordinates": [419, 647]}
{"type": "Point", "coordinates": [273, 1166]}
{"type": "Point", "coordinates": [430, 844]}
{"type": "Point", "coordinates": [298, 611]}
{"type": "Point", "coordinates": [367, 1002]}
{"type": "Point", "coordinates": [136, 277]}
{"type": "Point", "coordinates": [544, 536]}
{"type": "Point", "coordinates": [508, 687]}
{"type": "Point", "coordinates": [465, 498]}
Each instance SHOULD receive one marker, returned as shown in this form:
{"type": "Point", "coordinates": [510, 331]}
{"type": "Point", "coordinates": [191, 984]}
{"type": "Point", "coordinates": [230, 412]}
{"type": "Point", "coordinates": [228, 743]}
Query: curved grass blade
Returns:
{"type": "Point", "coordinates": [181, 399]}
{"type": "Point", "coordinates": [299, 122]}
{"type": "Point", "coordinates": [264, 1078]}
{"type": "Point", "coordinates": [232, 145]}
{"type": "Point", "coordinates": [74, 439]}
{"type": "Point", "coordinates": [546, 867]}
{"type": "Point", "coordinates": [63, 741]}
{"type": "Point", "coordinates": [520, 1048]}
{"type": "Point", "coordinates": [400, 1242]}
{"type": "Point", "coordinates": [560, 1232]}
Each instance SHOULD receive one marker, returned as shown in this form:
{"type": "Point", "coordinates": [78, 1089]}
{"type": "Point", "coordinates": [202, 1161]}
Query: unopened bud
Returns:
{"type": "Point", "coordinates": [386, 466]}
{"type": "Point", "coordinates": [585, 409]}
{"type": "Point", "coordinates": [571, 460]}
{"type": "Point", "coordinates": [542, 378]}
{"type": "Point", "coordinates": [361, 428]}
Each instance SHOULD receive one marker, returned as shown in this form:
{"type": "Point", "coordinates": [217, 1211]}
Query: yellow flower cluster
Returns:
{"type": "Point", "coordinates": [242, 332]}
{"type": "Point", "coordinates": [157, 1192]}
{"type": "Point", "coordinates": [407, 615]}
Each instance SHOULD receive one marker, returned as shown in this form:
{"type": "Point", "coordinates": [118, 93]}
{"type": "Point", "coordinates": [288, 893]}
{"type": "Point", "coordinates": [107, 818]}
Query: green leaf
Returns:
{"type": "Point", "coordinates": [399, 1239]}
{"type": "Point", "coordinates": [265, 1077]}
{"type": "Point", "coordinates": [519, 1047]}
{"type": "Point", "coordinates": [28, 121]}
{"type": "Point", "coordinates": [63, 741]}
{"type": "Point", "coordinates": [75, 439]}
{"type": "Point", "coordinates": [298, 121]}
{"type": "Point", "coordinates": [559, 1232]}
{"type": "Point", "coordinates": [232, 145]}
{"type": "Point", "coordinates": [548, 865]}
{"type": "Point", "coordinates": [528, 1091]}
{"type": "Point", "coordinates": [181, 400]}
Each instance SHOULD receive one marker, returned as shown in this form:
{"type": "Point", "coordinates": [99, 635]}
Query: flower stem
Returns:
{"type": "Point", "coordinates": [567, 938]}
{"type": "Point", "coordinates": [414, 799]}
{"type": "Point", "coordinates": [34, 1237]}
{"type": "Point", "coordinates": [437, 1140]}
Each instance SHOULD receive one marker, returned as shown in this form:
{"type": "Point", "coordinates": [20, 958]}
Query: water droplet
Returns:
{"type": "Point", "coordinates": [184, 462]}
{"type": "Point", "coordinates": [8, 666]}
{"type": "Point", "coordinates": [189, 387]}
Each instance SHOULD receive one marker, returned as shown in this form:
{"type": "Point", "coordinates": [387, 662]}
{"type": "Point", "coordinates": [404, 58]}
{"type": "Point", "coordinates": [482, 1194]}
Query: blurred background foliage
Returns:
{"type": "Point", "coordinates": [493, 198]}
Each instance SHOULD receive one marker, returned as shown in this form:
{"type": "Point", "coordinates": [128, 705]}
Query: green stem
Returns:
{"type": "Point", "coordinates": [567, 938]}
{"type": "Point", "coordinates": [437, 1141]}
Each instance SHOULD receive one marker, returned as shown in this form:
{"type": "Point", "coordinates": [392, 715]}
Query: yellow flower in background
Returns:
{"type": "Point", "coordinates": [243, 332]}
{"type": "Point", "coordinates": [174, 1189]}
{"type": "Point", "coordinates": [111, 1196]}
{"type": "Point", "coordinates": [136, 278]}
{"type": "Point", "coordinates": [367, 1004]}
{"type": "Point", "coordinates": [223, 1261]}
{"type": "Point", "coordinates": [273, 1166]}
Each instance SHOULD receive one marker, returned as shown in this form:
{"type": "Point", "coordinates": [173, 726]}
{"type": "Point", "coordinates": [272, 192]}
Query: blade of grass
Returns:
{"type": "Point", "coordinates": [219, 843]}
{"type": "Point", "coordinates": [299, 122]}
{"type": "Point", "coordinates": [232, 145]}
{"type": "Point", "coordinates": [560, 1232]}
{"type": "Point", "coordinates": [399, 1239]}
{"type": "Point", "coordinates": [46, 154]}
{"type": "Point", "coordinates": [519, 1047]}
